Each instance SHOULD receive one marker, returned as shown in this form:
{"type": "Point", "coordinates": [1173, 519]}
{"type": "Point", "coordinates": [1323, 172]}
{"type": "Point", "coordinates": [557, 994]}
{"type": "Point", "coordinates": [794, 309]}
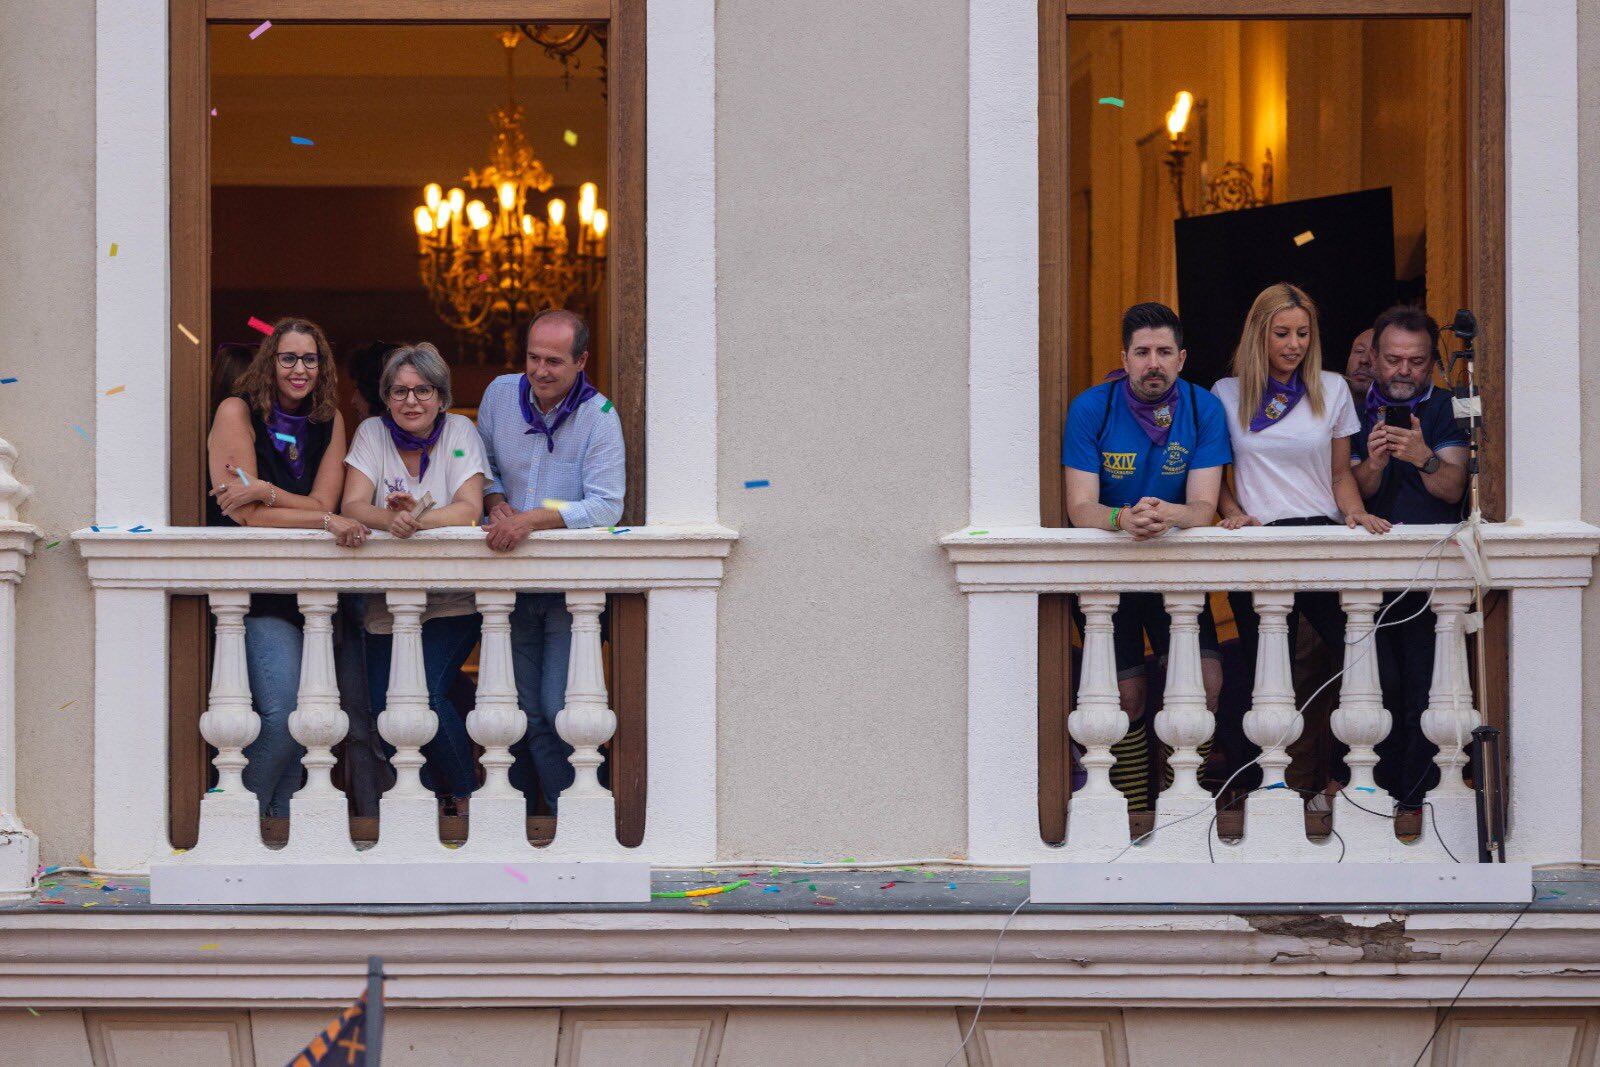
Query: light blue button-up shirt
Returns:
{"type": "Point", "coordinates": [585, 470]}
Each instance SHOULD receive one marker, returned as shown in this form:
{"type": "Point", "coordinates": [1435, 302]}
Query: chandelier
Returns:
{"type": "Point", "coordinates": [488, 268]}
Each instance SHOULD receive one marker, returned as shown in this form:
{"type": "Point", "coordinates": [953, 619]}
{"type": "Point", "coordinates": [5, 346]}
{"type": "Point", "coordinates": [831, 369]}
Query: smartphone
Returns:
{"type": "Point", "coordinates": [1397, 415]}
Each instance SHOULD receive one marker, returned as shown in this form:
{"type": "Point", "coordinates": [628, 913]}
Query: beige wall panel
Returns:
{"type": "Point", "coordinates": [47, 342]}
{"type": "Point", "coordinates": [860, 1038]}
{"type": "Point", "coordinates": [661, 1039]}
{"type": "Point", "coordinates": [424, 1038]}
{"type": "Point", "coordinates": [1548, 1040]}
{"type": "Point", "coordinates": [842, 375]}
{"type": "Point", "coordinates": [1274, 1037]}
{"type": "Point", "coordinates": [171, 1040]}
{"type": "Point", "coordinates": [48, 1039]}
{"type": "Point", "coordinates": [1589, 348]}
{"type": "Point", "coordinates": [1018, 1037]}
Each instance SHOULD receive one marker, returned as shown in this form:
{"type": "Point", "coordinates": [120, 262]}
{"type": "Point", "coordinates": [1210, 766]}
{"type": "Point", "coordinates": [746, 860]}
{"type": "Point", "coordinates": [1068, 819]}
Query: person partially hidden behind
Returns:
{"type": "Point", "coordinates": [1415, 473]}
{"type": "Point", "coordinates": [555, 452]}
{"type": "Point", "coordinates": [1143, 454]}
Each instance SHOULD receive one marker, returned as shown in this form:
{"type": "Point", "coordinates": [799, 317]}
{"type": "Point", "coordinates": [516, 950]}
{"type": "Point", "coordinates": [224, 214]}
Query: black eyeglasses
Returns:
{"type": "Point", "coordinates": [423, 393]}
{"type": "Point", "coordinates": [287, 360]}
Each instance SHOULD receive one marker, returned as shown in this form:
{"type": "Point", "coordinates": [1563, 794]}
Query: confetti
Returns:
{"type": "Point", "coordinates": [210, 947]}
{"type": "Point", "coordinates": [848, 859]}
{"type": "Point", "coordinates": [887, 885]}
{"type": "Point", "coordinates": [67, 705]}
{"type": "Point", "coordinates": [82, 432]}
{"type": "Point", "coordinates": [1112, 101]}
{"type": "Point", "coordinates": [90, 904]}
{"type": "Point", "coordinates": [33, 1013]}
{"type": "Point", "coordinates": [52, 544]}
{"type": "Point", "coordinates": [701, 903]}
{"type": "Point", "coordinates": [185, 331]}
{"type": "Point", "coordinates": [952, 885]}
{"type": "Point", "coordinates": [619, 530]}
{"type": "Point", "coordinates": [825, 901]}
{"type": "Point", "coordinates": [305, 141]}
{"type": "Point", "coordinates": [518, 875]}
{"type": "Point", "coordinates": [256, 324]}
{"type": "Point", "coordinates": [141, 528]}
{"type": "Point", "coordinates": [115, 389]}
{"type": "Point", "coordinates": [243, 480]}
{"type": "Point", "coordinates": [213, 112]}
{"type": "Point", "coordinates": [8, 381]}
{"type": "Point", "coordinates": [461, 453]}
{"type": "Point", "coordinates": [976, 533]}
{"type": "Point", "coordinates": [708, 891]}
{"type": "Point", "coordinates": [1303, 239]}
{"type": "Point", "coordinates": [571, 137]}
{"type": "Point", "coordinates": [209, 791]}
{"type": "Point", "coordinates": [605, 407]}
{"type": "Point", "coordinates": [286, 438]}
{"type": "Point", "coordinates": [757, 483]}
{"type": "Point", "coordinates": [259, 30]}
{"type": "Point", "coordinates": [553, 505]}
{"type": "Point", "coordinates": [84, 861]}
{"type": "Point", "coordinates": [1365, 789]}
{"type": "Point", "coordinates": [113, 249]}
{"type": "Point", "coordinates": [773, 889]}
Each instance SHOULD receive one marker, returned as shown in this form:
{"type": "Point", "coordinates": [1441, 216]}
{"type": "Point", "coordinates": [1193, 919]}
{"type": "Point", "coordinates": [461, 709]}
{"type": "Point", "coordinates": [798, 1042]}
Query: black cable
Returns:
{"type": "Point", "coordinates": [1432, 817]}
{"type": "Point", "coordinates": [1446, 1013]}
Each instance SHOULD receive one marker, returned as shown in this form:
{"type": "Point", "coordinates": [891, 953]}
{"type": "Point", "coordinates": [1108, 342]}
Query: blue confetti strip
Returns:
{"type": "Point", "coordinates": [8, 381]}
{"type": "Point", "coordinates": [1278, 785]}
{"type": "Point", "coordinates": [81, 432]}
{"type": "Point", "coordinates": [286, 438]}
{"type": "Point", "coordinates": [619, 530]}
{"type": "Point", "coordinates": [141, 528]}
{"type": "Point", "coordinates": [301, 141]}
{"type": "Point", "coordinates": [758, 483]}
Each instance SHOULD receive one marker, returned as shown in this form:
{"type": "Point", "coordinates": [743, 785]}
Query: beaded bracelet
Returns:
{"type": "Point", "coordinates": [1116, 519]}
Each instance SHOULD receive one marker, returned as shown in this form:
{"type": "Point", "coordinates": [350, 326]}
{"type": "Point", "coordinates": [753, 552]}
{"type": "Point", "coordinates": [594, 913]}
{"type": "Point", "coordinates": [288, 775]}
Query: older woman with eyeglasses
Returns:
{"type": "Point", "coordinates": [414, 450]}
{"type": "Point", "coordinates": [276, 457]}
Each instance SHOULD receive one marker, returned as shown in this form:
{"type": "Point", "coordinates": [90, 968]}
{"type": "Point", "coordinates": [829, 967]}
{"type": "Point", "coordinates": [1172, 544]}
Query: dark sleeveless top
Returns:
{"type": "Point", "coordinates": [271, 465]}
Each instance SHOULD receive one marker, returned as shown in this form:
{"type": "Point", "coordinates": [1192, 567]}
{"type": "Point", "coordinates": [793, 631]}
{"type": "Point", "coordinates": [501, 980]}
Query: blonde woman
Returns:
{"type": "Point", "coordinates": [1290, 423]}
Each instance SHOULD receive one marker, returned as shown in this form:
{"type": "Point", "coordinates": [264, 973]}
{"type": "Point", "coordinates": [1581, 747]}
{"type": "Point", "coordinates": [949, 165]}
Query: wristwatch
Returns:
{"type": "Point", "coordinates": [1433, 464]}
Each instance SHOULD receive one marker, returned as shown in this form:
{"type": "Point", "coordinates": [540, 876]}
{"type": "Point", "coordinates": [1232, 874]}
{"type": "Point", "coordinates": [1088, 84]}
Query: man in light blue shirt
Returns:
{"type": "Point", "coordinates": [555, 454]}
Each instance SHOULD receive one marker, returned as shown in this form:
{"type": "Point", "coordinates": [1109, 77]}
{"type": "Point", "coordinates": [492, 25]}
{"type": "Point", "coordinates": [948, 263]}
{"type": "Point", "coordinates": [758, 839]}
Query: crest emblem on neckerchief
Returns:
{"type": "Point", "coordinates": [1277, 407]}
{"type": "Point", "coordinates": [1162, 416]}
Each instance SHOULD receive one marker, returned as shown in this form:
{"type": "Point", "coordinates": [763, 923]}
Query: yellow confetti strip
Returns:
{"type": "Point", "coordinates": [84, 860]}
{"type": "Point", "coordinates": [209, 947]}
{"type": "Point", "coordinates": [113, 248]}
{"type": "Point", "coordinates": [553, 505]}
{"type": "Point", "coordinates": [114, 390]}
{"type": "Point", "coordinates": [185, 331]}
{"type": "Point", "coordinates": [1303, 239]}
{"type": "Point", "coordinates": [571, 137]}
{"type": "Point", "coordinates": [67, 705]}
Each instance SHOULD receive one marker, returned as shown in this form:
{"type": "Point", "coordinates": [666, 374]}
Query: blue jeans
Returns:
{"type": "Point", "coordinates": [446, 643]}
{"type": "Point", "coordinates": [541, 638]}
{"type": "Point", "coordinates": [272, 657]}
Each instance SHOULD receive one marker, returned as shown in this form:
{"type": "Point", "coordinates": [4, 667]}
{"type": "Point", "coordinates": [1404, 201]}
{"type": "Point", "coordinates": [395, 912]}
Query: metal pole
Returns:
{"type": "Point", "coordinates": [374, 1050]}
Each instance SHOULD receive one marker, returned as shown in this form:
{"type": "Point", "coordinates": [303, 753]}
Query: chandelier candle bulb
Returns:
{"type": "Point", "coordinates": [432, 195]}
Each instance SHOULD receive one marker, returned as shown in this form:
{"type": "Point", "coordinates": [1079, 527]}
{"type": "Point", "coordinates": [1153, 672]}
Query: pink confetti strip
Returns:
{"type": "Point", "coordinates": [257, 324]}
{"type": "Point", "coordinates": [259, 30]}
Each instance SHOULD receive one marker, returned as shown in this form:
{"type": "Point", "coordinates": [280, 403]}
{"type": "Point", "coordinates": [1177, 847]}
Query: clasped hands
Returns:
{"type": "Point", "coordinates": [1150, 517]}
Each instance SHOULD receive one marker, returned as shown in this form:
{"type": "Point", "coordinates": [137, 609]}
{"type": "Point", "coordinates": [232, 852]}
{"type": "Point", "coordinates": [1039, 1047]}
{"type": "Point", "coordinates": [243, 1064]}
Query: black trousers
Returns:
{"type": "Point", "coordinates": [1405, 671]}
{"type": "Point", "coordinates": [1320, 608]}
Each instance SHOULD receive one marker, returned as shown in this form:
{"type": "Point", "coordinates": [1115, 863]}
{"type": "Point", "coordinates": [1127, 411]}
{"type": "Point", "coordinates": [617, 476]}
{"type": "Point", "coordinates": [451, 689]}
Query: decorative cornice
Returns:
{"type": "Point", "coordinates": [1038, 559]}
{"type": "Point", "coordinates": [191, 559]}
{"type": "Point", "coordinates": [233, 959]}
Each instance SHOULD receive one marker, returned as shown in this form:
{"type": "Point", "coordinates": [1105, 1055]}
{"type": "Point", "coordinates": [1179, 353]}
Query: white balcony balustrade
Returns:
{"type": "Point", "coordinates": [19, 846]}
{"type": "Point", "coordinates": [1003, 572]}
{"type": "Point", "coordinates": [679, 568]}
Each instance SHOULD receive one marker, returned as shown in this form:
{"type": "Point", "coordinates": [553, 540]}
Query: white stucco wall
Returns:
{"type": "Point", "coordinates": [842, 366]}
{"type": "Point", "coordinates": [47, 170]}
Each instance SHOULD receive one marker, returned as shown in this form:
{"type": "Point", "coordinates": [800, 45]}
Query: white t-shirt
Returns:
{"type": "Point", "coordinates": [1286, 470]}
{"type": "Point", "coordinates": [456, 456]}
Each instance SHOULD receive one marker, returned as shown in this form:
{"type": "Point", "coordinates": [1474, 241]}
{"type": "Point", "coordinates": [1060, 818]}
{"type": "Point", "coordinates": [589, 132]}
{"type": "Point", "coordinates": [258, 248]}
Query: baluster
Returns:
{"type": "Point", "coordinates": [1097, 821]}
{"type": "Point", "coordinates": [586, 818]}
{"type": "Point", "coordinates": [499, 812]}
{"type": "Point", "coordinates": [1448, 722]}
{"type": "Point", "coordinates": [408, 815]}
{"type": "Point", "coordinates": [1184, 722]}
{"type": "Point", "coordinates": [1275, 817]}
{"type": "Point", "coordinates": [1361, 721]}
{"type": "Point", "coordinates": [230, 826]}
{"type": "Point", "coordinates": [319, 825]}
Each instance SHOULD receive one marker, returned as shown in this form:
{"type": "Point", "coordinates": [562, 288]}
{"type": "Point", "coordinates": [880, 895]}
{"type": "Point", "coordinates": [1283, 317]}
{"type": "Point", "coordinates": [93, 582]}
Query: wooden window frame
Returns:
{"type": "Point", "coordinates": [1485, 274]}
{"type": "Point", "coordinates": [190, 373]}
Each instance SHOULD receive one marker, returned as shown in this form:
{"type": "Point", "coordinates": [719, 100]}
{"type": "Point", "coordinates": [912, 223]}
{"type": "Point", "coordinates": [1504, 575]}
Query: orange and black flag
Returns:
{"type": "Point", "coordinates": [355, 1038]}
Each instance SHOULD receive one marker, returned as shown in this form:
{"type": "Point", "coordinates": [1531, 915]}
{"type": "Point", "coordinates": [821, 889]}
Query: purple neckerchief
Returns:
{"type": "Point", "coordinates": [1153, 416]}
{"type": "Point", "coordinates": [581, 391]}
{"type": "Point", "coordinates": [1277, 400]}
{"type": "Point", "coordinates": [406, 441]}
{"type": "Point", "coordinates": [290, 435]}
{"type": "Point", "coordinates": [1376, 402]}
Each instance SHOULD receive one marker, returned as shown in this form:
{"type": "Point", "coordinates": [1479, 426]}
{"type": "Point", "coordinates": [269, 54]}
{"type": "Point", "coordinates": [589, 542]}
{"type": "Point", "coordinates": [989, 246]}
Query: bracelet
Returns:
{"type": "Point", "coordinates": [1116, 519]}
{"type": "Point", "coordinates": [272, 499]}
{"type": "Point", "coordinates": [325, 520]}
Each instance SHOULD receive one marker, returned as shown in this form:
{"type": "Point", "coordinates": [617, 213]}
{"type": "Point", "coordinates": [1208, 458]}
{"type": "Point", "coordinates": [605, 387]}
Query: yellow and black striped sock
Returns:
{"type": "Point", "coordinates": [1131, 772]}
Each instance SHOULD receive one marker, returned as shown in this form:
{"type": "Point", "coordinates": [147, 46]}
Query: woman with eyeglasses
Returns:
{"type": "Point", "coordinates": [415, 450]}
{"type": "Point", "coordinates": [276, 460]}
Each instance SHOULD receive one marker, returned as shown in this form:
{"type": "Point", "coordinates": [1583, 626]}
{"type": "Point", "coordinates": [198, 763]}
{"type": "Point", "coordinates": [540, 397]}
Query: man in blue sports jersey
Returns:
{"type": "Point", "coordinates": [1144, 454]}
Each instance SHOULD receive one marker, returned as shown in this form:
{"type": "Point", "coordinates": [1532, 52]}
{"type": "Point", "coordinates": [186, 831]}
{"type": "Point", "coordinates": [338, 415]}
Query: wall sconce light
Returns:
{"type": "Point", "coordinates": [1233, 188]}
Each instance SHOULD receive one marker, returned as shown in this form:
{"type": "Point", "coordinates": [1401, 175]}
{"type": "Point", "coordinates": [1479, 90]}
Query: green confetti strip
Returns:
{"type": "Point", "coordinates": [1112, 101]}
{"type": "Point", "coordinates": [606, 406]}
